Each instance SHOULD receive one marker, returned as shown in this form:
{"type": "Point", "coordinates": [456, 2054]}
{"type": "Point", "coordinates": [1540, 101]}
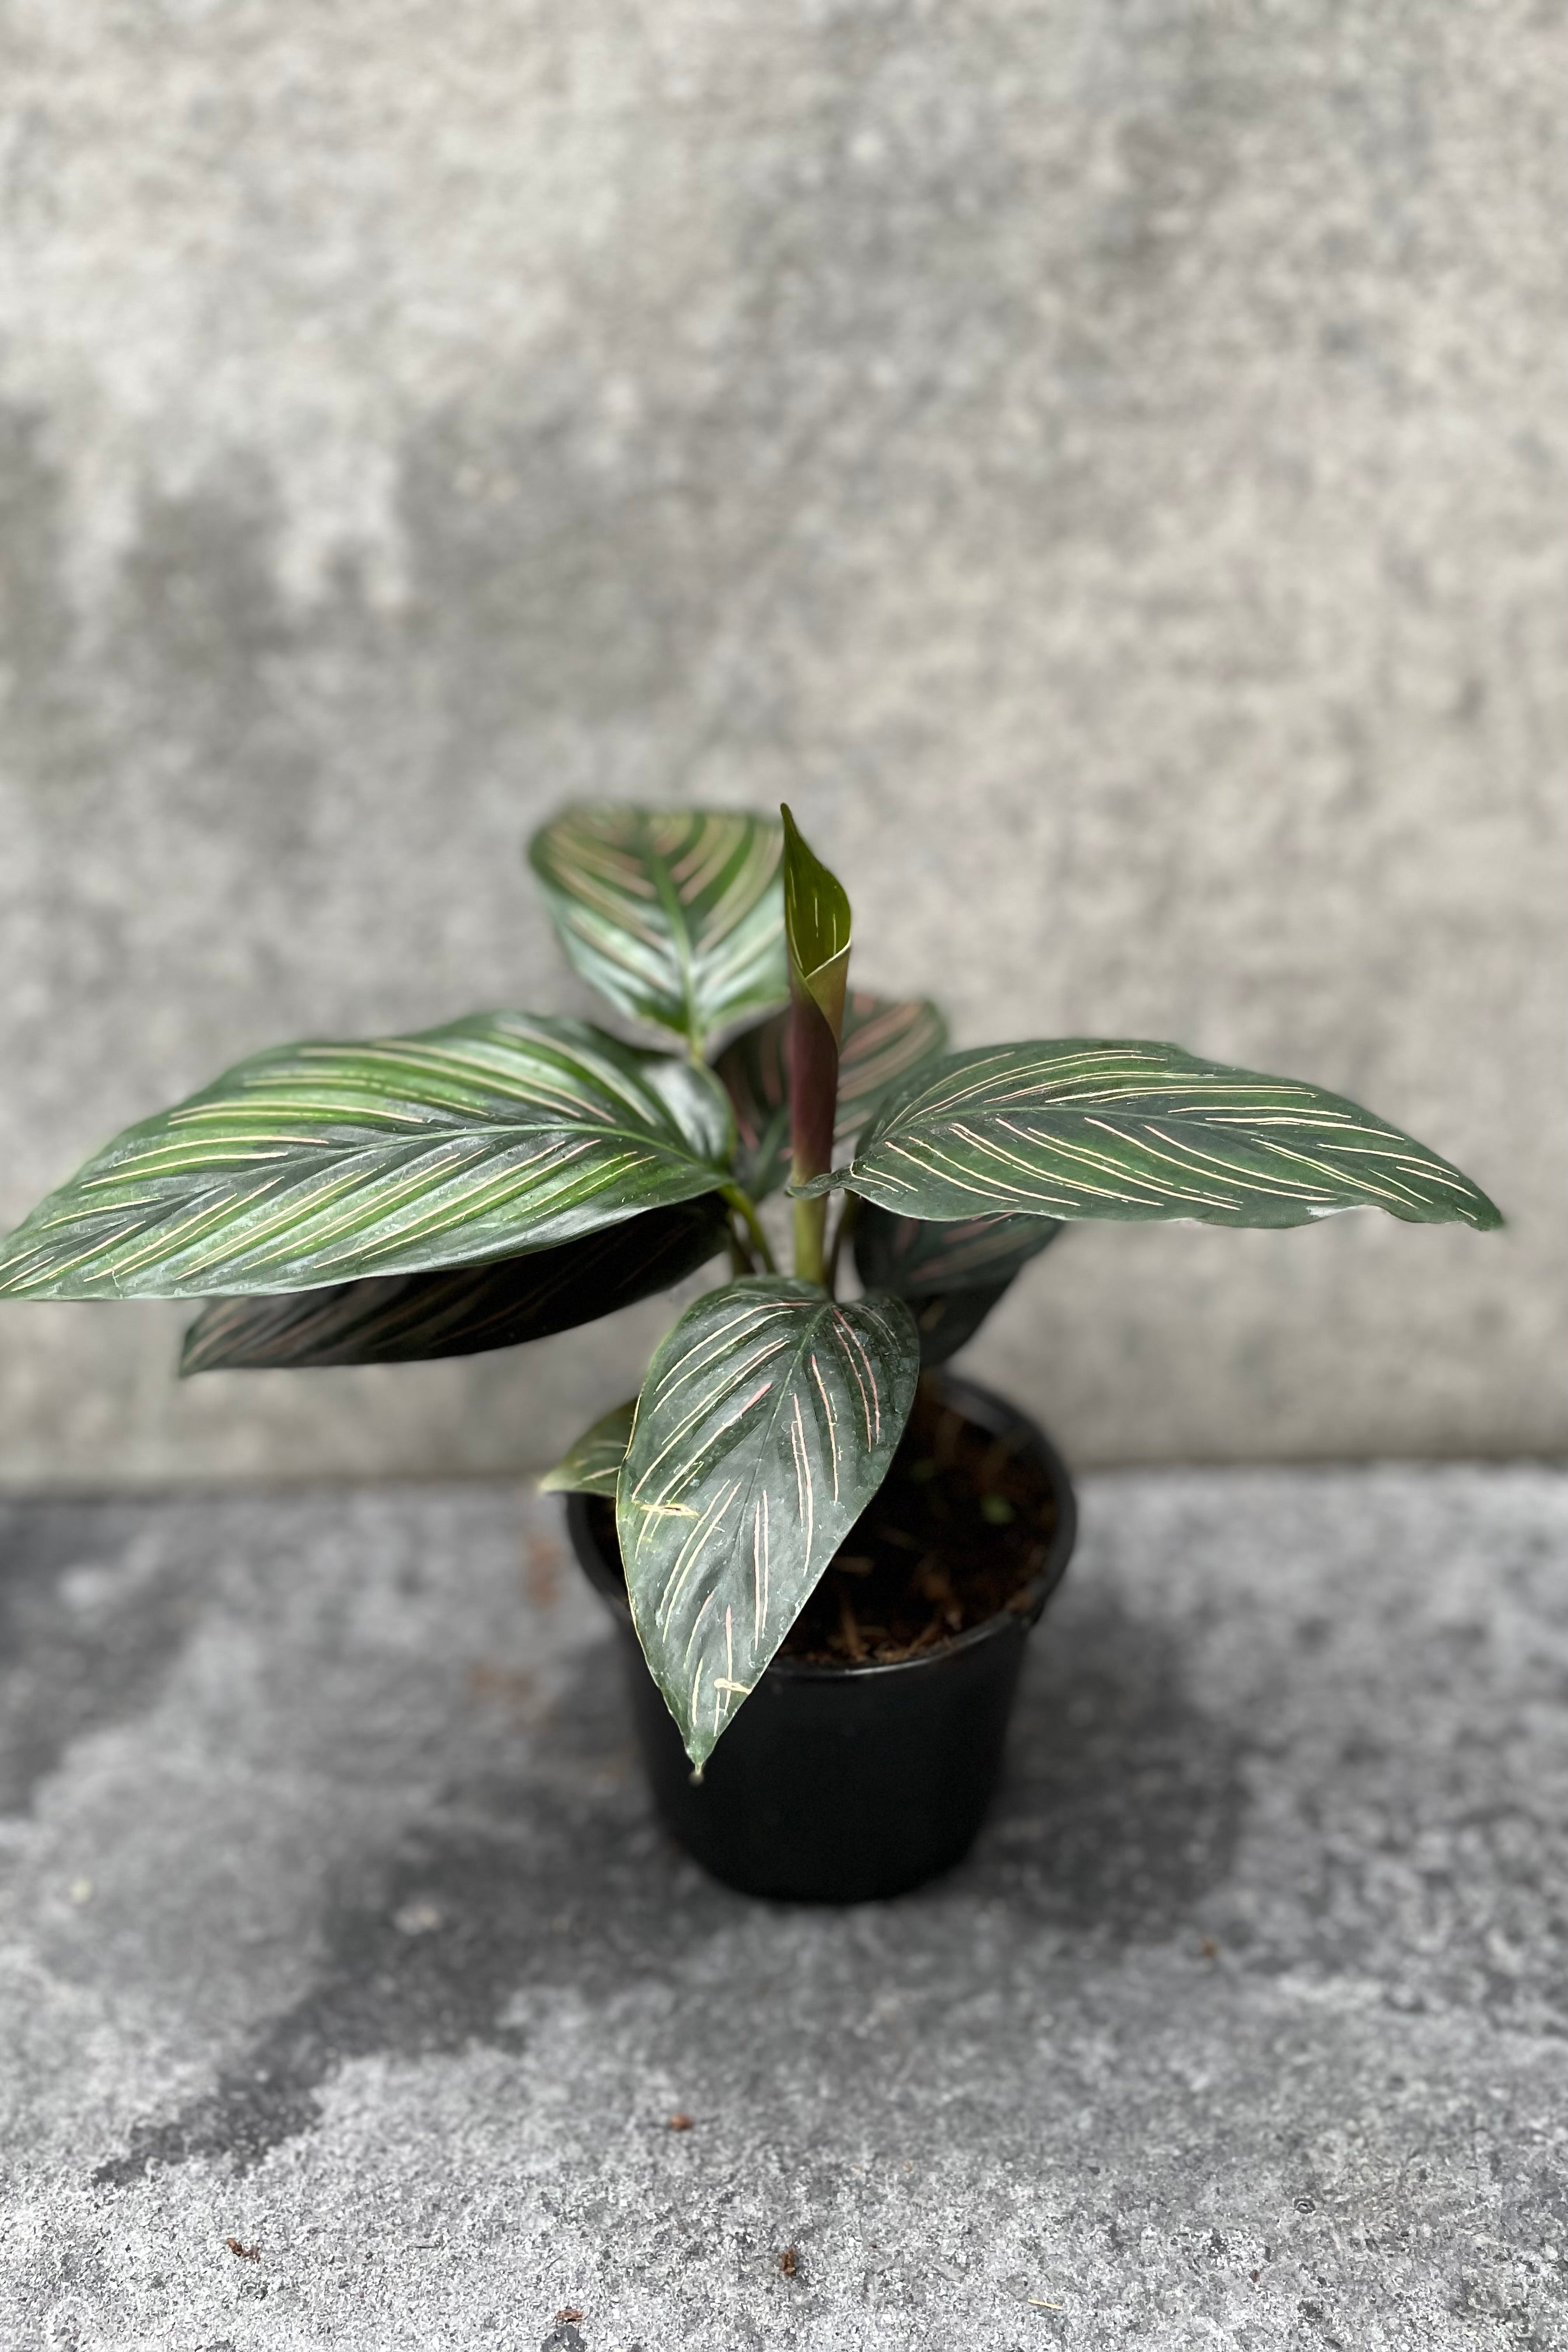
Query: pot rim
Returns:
{"type": "Point", "coordinates": [991, 1412]}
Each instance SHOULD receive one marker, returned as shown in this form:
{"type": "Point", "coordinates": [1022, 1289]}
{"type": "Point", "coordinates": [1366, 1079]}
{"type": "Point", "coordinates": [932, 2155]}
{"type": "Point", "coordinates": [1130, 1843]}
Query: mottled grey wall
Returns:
{"type": "Point", "coordinates": [1106, 463]}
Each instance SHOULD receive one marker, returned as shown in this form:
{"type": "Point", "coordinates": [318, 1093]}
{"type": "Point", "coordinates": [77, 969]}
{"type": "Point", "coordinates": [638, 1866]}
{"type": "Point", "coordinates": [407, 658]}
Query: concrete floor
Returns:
{"type": "Point", "coordinates": [335, 1925]}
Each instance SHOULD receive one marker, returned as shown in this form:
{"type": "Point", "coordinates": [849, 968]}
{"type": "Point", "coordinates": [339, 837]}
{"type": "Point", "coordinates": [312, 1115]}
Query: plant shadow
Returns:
{"type": "Point", "coordinates": [1125, 1800]}
{"type": "Point", "coordinates": [1121, 1810]}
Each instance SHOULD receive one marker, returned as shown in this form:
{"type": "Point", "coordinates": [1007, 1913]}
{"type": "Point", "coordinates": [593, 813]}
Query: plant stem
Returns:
{"type": "Point", "coordinates": [810, 1238]}
{"type": "Point", "coordinates": [841, 1233]}
{"type": "Point", "coordinates": [745, 1208]}
{"type": "Point", "coordinates": [813, 1099]}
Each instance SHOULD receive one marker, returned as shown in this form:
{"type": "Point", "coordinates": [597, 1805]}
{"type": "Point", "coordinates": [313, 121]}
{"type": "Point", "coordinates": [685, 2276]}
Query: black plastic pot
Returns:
{"type": "Point", "coordinates": [841, 1784]}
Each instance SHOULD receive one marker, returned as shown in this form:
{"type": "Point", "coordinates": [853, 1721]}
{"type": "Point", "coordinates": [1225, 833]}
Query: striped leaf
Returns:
{"type": "Point", "coordinates": [675, 915]}
{"type": "Point", "coordinates": [766, 1423]}
{"type": "Point", "coordinates": [320, 1163]}
{"type": "Point", "coordinates": [592, 1467]}
{"type": "Point", "coordinates": [884, 1039]}
{"type": "Point", "coordinates": [1092, 1127]}
{"type": "Point", "coordinates": [400, 1319]}
{"type": "Point", "coordinates": [952, 1274]}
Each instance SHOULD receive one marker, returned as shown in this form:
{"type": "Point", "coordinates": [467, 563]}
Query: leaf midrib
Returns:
{"type": "Point", "coordinates": [680, 932]}
{"type": "Point", "coordinates": [805, 1339]}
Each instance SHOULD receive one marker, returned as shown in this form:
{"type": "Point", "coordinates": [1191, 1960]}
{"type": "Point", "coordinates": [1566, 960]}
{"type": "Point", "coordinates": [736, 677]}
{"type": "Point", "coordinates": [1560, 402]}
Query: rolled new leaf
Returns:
{"type": "Point", "coordinates": [882, 1040]}
{"type": "Point", "coordinates": [318, 1163]}
{"type": "Point", "coordinates": [675, 915]}
{"type": "Point", "coordinates": [593, 1466]}
{"type": "Point", "coordinates": [766, 1423]}
{"type": "Point", "coordinates": [816, 925]}
{"type": "Point", "coordinates": [952, 1274]}
{"type": "Point", "coordinates": [1092, 1128]}
{"type": "Point", "coordinates": [402, 1319]}
{"type": "Point", "coordinates": [818, 934]}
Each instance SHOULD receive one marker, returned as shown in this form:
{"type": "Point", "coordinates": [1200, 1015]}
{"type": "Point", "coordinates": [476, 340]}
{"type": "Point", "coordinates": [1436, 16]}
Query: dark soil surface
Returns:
{"type": "Point", "coordinates": [955, 1533]}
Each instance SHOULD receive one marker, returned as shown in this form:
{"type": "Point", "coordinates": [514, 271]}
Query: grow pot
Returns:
{"type": "Point", "coordinates": [840, 1782]}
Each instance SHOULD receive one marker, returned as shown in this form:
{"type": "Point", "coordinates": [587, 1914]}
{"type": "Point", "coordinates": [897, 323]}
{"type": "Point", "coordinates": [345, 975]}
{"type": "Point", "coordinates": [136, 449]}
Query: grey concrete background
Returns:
{"type": "Point", "coordinates": [1106, 464]}
{"type": "Point", "coordinates": [333, 1920]}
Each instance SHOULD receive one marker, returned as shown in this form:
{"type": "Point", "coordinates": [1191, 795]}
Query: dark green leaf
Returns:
{"type": "Point", "coordinates": [917, 1260]}
{"type": "Point", "coordinates": [1091, 1128]}
{"type": "Point", "coordinates": [401, 1318]}
{"type": "Point", "coordinates": [593, 1466]}
{"type": "Point", "coordinates": [766, 1423]}
{"type": "Point", "coordinates": [676, 915]}
{"type": "Point", "coordinates": [951, 1274]}
{"type": "Point", "coordinates": [883, 1040]}
{"type": "Point", "coordinates": [320, 1163]}
{"type": "Point", "coordinates": [949, 1319]}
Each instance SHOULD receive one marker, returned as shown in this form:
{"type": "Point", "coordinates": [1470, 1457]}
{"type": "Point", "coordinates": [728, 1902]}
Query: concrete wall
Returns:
{"type": "Point", "coordinates": [1105, 463]}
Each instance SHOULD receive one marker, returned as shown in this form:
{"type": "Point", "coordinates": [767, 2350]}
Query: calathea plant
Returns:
{"type": "Point", "coordinates": [512, 1174]}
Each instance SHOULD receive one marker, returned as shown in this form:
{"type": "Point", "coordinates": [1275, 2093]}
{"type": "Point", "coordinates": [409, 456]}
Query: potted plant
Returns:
{"type": "Point", "coordinates": [823, 1550]}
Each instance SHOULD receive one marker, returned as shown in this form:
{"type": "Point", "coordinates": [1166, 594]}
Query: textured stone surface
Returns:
{"type": "Point", "coordinates": [1105, 463]}
{"type": "Point", "coordinates": [334, 1921]}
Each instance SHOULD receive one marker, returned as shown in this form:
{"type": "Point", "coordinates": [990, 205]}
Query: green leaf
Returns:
{"type": "Point", "coordinates": [766, 1423]}
{"type": "Point", "coordinates": [949, 1320]}
{"type": "Point", "coordinates": [951, 1274]}
{"type": "Point", "coordinates": [816, 925]}
{"type": "Point", "coordinates": [319, 1163]}
{"type": "Point", "coordinates": [675, 915]}
{"type": "Point", "coordinates": [399, 1319]}
{"type": "Point", "coordinates": [884, 1038]}
{"type": "Point", "coordinates": [593, 1466]}
{"type": "Point", "coordinates": [1094, 1127]}
{"type": "Point", "coordinates": [914, 1259]}
{"type": "Point", "coordinates": [816, 930]}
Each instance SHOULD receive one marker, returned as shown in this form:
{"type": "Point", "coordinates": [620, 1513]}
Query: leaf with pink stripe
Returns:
{"type": "Point", "coordinates": [765, 1425]}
